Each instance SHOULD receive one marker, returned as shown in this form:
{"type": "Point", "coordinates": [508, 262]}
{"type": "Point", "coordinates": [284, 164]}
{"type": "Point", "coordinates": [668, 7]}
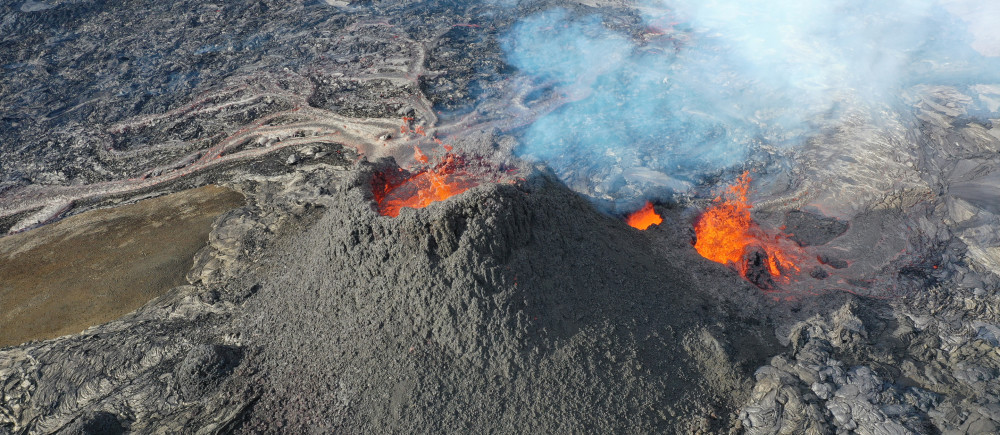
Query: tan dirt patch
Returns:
{"type": "Point", "coordinates": [95, 267]}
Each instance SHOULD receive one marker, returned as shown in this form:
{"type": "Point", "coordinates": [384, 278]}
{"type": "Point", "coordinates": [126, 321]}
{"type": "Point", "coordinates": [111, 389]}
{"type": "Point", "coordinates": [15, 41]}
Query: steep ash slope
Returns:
{"type": "Point", "coordinates": [509, 308]}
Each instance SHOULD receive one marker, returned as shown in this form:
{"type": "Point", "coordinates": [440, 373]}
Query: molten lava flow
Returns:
{"type": "Point", "coordinates": [441, 182]}
{"type": "Point", "coordinates": [725, 232]}
{"type": "Point", "coordinates": [645, 217]}
{"type": "Point", "coordinates": [419, 155]}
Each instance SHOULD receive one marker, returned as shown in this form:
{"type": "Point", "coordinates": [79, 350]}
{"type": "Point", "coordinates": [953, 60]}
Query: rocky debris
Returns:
{"type": "Point", "coordinates": [814, 392]}
{"type": "Point", "coordinates": [97, 423]}
{"type": "Point", "coordinates": [204, 367]}
{"type": "Point", "coordinates": [819, 273]}
{"type": "Point", "coordinates": [863, 371]}
{"type": "Point", "coordinates": [757, 271]}
{"type": "Point", "coordinates": [836, 263]}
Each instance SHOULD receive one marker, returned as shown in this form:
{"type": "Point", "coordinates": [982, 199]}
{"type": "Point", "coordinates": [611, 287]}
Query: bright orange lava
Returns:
{"type": "Point", "coordinates": [645, 217]}
{"type": "Point", "coordinates": [419, 155]}
{"type": "Point", "coordinates": [725, 231]}
{"type": "Point", "coordinates": [423, 188]}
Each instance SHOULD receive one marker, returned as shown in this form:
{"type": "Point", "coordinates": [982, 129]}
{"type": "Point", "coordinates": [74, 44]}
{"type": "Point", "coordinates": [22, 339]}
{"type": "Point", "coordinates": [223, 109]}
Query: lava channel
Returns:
{"type": "Point", "coordinates": [726, 234]}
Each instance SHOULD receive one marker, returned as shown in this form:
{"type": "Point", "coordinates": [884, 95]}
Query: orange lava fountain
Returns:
{"type": "Point", "coordinates": [644, 218]}
{"type": "Point", "coordinates": [423, 188]}
{"type": "Point", "coordinates": [726, 231]}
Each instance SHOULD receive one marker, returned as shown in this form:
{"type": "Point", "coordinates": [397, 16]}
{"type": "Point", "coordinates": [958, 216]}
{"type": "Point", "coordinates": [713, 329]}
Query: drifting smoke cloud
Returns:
{"type": "Point", "coordinates": [727, 77]}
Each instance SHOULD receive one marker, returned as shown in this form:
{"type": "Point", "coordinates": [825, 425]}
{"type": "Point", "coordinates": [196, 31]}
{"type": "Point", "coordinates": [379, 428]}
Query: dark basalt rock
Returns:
{"type": "Point", "coordinates": [96, 423]}
{"type": "Point", "coordinates": [808, 229]}
{"type": "Point", "coordinates": [755, 259]}
{"type": "Point", "coordinates": [818, 273]}
{"type": "Point", "coordinates": [204, 367]}
{"type": "Point", "coordinates": [834, 262]}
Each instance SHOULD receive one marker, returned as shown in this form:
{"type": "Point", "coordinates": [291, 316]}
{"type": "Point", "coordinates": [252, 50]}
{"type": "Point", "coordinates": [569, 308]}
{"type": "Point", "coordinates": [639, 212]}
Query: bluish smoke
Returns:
{"type": "Point", "coordinates": [712, 81]}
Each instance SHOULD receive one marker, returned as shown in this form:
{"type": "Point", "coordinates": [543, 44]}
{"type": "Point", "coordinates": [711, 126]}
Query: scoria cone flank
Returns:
{"type": "Point", "coordinates": [433, 217]}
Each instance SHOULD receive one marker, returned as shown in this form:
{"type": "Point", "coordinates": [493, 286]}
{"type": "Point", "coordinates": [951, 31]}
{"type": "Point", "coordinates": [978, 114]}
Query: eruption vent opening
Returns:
{"type": "Point", "coordinates": [424, 187]}
{"type": "Point", "coordinates": [644, 217]}
{"type": "Point", "coordinates": [727, 234]}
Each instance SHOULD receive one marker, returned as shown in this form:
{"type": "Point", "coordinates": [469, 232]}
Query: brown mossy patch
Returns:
{"type": "Point", "coordinates": [95, 267]}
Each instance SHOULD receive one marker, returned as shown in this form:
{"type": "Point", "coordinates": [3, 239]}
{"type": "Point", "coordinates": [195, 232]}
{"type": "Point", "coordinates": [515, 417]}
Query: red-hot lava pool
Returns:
{"type": "Point", "coordinates": [453, 174]}
{"type": "Point", "coordinates": [446, 179]}
{"type": "Point", "coordinates": [644, 218]}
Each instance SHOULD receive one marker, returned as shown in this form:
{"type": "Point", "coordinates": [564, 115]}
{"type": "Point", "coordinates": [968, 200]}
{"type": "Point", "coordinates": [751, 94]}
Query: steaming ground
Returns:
{"type": "Point", "coordinates": [689, 90]}
{"type": "Point", "coordinates": [513, 307]}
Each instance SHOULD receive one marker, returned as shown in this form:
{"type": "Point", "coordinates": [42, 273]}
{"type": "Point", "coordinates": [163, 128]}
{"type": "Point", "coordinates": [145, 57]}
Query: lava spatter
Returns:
{"type": "Point", "coordinates": [726, 233]}
{"type": "Point", "coordinates": [419, 155]}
